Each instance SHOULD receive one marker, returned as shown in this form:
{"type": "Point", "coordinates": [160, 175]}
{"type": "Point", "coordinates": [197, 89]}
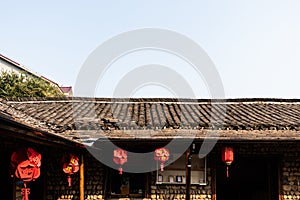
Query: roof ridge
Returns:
{"type": "Point", "coordinates": [149, 100]}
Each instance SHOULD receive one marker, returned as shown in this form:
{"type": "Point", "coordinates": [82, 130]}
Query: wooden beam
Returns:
{"type": "Point", "coordinates": [81, 180]}
{"type": "Point", "coordinates": [14, 130]}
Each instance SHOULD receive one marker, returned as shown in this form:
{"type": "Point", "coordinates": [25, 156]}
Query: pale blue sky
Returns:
{"type": "Point", "coordinates": [255, 44]}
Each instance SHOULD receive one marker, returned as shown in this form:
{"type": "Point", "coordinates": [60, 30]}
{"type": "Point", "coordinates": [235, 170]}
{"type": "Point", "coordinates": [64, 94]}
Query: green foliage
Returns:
{"type": "Point", "coordinates": [21, 85]}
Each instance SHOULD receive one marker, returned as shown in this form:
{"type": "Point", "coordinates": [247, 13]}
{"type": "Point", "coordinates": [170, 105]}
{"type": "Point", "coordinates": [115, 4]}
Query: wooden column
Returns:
{"type": "Point", "coordinates": [279, 178]}
{"type": "Point", "coordinates": [188, 167]}
{"type": "Point", "coordinates": [81, 180]}
{"type": "Point", "coordinates": [214, 182]}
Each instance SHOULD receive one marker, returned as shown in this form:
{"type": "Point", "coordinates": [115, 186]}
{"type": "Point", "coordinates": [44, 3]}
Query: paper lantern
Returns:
{"type": "Point", "coordinates": [25, 165]}
{"type": "Point", "coordinates": [227, 157]}
{"type": "Point", "coordinates": [162, 155]}
{"type": "Point", "coordinates": [120, 158]}
{"type": "Point", "coordinates": [70, 166]}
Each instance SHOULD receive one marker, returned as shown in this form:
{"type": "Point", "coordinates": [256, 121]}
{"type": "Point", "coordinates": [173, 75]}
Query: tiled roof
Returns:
{"type": "Point", "coordinates": [89, 118]}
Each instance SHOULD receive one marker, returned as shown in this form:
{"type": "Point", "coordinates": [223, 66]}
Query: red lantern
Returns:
{"type": "Point", "coordinates": [227, 157]}
{"type": "Point", "coordinates": [120, 158]}
{"type": "Point", "coordinates": [162, 155]}
{"type": "Point", "coordinates": [25, 165]}
{"type": "Point", "coordinates": [70, 166]}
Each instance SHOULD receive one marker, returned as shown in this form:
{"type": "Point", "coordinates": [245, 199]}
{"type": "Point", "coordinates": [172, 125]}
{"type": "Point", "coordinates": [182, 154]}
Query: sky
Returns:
{"type": "Point", "coordinates": [254, 45]}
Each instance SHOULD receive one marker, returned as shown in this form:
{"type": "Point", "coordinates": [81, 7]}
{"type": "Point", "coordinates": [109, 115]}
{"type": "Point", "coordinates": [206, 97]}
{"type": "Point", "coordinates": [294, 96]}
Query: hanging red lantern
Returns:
{"type": "Point", "coordinates": [70, 166]}
{"type": "Point", "coordinates": [120, 158]}
{"type": "Point", "coordinates": [162, 155]}
{"type": "Point", "coordinates": [25, 165]}
{"type": "Point", "coordinates": [227, 157]}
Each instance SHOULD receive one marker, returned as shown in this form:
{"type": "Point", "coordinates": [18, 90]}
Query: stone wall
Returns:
{"type": "Point", "coordinates": [162, 192]}
{"type": "Point", "coordinates": [94, 179]}
{"type": "Point", "coordinates": [291, 174]}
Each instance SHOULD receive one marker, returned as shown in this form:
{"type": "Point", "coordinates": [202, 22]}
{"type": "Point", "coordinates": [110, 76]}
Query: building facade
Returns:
{"type": "Point", "coordinates": [263, 134]}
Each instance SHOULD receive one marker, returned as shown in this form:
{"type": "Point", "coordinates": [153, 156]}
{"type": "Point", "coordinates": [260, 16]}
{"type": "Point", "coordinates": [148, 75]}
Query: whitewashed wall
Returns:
{"type": "Point", "coordinates": [6, 66]}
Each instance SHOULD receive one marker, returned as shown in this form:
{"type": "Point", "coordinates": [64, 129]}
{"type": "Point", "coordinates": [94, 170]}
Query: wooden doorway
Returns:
{"type": "Point", "coordinates": [250, 179]}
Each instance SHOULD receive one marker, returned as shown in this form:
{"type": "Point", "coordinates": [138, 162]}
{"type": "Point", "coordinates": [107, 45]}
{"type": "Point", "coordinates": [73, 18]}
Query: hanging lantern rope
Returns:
{"type": "Point", "coordinates": [227, 158]}
{"type": "Point", "coordinates": [70, 166]}
{"type": "Point", "coordinates": [120, 158]}
{"type": "Point", "coordinates": [162, 155]}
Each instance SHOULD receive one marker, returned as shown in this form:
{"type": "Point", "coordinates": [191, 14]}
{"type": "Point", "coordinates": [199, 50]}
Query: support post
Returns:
{"type": "Point", "coordinates": [81, 179]}
{"type": "Point", "coordinates": [188, 167]}
{"type": "Point", "coordinates": [214, 183]}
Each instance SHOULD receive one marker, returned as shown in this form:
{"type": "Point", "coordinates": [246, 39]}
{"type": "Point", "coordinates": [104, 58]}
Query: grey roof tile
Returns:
{"type": "Point", "coordinates": [235, 118]}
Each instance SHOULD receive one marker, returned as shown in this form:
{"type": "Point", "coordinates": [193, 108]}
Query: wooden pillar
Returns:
{"type": "Point", "coordinates": [81, 180]}
{"type": "Point", "coordinates": [148, 185]}
{"type": "Point", "coordinates": [214, 182]}
{"type": "Point", "coordinates": [106, 182]}
{"type": "Point", "coordinates": [279, 178]}
{"type": "Point", "coordinates": [188, 167]}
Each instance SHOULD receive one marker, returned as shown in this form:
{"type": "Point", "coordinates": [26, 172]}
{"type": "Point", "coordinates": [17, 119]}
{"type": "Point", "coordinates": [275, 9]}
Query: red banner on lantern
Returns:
{"type": "Point", "coordinates": [26, 164]}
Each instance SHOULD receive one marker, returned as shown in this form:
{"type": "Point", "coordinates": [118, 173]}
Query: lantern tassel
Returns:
{"type": "Point", "coordinates": [227, 171]}
{"type": "Point", "coordinates": [162, 167]}
{"type": "Point", "coordinates": [25, 192]}
{"type": "Point", "coordinates": [70, 181]}
{"type": "Point", "coordinates": [120, 170]}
